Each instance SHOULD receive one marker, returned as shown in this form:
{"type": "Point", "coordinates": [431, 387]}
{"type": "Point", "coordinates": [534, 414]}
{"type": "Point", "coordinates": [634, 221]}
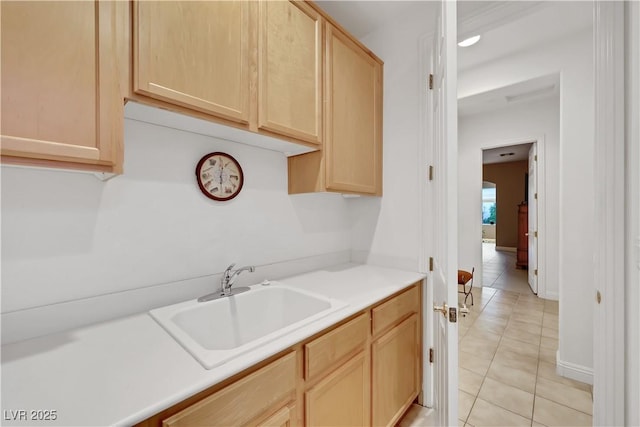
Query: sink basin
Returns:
{"type": "Point", "coordinates": [219, 330]}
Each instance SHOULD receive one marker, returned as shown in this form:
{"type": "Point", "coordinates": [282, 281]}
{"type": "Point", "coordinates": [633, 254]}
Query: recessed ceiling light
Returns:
{"type": "Point", "coordinates": [469, 41]}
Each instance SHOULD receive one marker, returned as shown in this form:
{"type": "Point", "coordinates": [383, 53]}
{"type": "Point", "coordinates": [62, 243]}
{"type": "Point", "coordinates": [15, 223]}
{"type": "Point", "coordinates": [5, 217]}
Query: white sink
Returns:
{"type": "Point", "coordinates": [219, 330]}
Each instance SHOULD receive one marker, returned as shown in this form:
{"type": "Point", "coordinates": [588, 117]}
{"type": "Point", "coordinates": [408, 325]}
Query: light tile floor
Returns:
{"type": "Point", "coordinates": [507, 351]}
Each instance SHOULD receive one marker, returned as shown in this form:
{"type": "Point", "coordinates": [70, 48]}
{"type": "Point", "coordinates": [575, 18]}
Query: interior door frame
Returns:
{"type": "Point", "coordinates": [540, 143]}
{"type": "Point", "coordinates": [426, 192]}
{"type": "Point", "coordinates": [426, 247]}
{"type": "Point", "coordinates": [532, 271]}
{"type": "Point", "coordinates": [609, 190]}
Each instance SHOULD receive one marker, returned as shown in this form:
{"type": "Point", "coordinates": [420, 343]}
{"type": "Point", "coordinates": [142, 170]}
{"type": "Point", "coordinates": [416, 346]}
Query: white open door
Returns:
{"type": "Point", "coordinates": [532, 230]}
{"type": "Point", "coordinates": [443, 201]}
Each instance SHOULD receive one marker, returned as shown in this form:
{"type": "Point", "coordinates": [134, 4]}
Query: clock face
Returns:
{"type": "Point", "coordinates": [219, 176]}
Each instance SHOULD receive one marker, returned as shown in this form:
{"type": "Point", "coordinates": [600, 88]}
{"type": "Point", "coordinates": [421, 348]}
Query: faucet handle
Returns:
{"type": "Point", "coordinates": [230, 267]}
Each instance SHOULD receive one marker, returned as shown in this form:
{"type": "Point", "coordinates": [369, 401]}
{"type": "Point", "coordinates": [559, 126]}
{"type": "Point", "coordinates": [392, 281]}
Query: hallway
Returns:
{"type": "Point", "coordinates": [507, 356]}
{"type": "Point", "coordinates": [499, 270]}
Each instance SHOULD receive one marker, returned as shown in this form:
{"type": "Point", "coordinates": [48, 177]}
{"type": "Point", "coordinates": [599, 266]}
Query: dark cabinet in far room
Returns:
{"type": "Point", "coordinates": [522, 258]}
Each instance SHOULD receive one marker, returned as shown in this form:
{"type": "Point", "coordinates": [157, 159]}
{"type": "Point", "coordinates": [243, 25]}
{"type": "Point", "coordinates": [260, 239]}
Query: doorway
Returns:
{"type": "Point", "coordinates": [509, 217]}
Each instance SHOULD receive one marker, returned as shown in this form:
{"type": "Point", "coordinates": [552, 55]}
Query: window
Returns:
{"type": "Point", "coordinates": [489, 205]}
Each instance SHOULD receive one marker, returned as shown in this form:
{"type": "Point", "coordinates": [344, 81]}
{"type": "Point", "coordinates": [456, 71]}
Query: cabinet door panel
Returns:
{"type": "Point", "coordinates": [59, 86]}
{"type": "Point", "coordinates": [395, 369]}
{"type": "Point", "coordinates": [354, 127]}
{"type": "Point", "coordinates": [285, 417]}
{"type": "Point", "coordinates": [290, 62]}
{"type": "Point", "coordinates": [342, 398]}
{"type": "Point", "coordinates": [194, 53]}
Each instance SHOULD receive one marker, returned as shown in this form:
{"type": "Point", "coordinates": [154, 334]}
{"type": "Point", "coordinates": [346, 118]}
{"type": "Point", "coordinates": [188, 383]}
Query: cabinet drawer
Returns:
{"type": "Point", "coordinates": [243, 400]}
{"type": "Point", "coordinates": [395, 309]}
{"type": "Point", "coordinates": [323, 352]}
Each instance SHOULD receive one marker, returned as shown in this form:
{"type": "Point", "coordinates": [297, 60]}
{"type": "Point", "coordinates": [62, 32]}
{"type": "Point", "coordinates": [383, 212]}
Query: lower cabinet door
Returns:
{"type": "Point", "coordinates": [342, 397]}
{"type": "Point", "coordinates": [285, 417]}
{"type": "Point", "coordinates": [395, 360]}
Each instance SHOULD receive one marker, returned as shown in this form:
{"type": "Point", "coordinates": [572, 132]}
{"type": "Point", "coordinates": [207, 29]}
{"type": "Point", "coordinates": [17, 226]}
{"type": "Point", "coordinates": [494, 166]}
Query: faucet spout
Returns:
{"type": "Point", "coordinates": [229, 277]}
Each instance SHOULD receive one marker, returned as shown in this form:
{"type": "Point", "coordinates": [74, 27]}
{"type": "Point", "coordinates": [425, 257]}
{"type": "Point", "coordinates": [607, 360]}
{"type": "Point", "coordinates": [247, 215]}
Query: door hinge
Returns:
{"type": "Point", "coordinates": [431, 81]}
{"type": "Point", "coordinates": [453, 314]}
{"type": "Point", "coordinates": [535, 272]}
{"type": "Point", "coordinates": [430, 173]}
{"type": "Point", "coordinates": [535, 234]}
{"type": "Point", "coordinates": [430, 263]}
{"type": "Point", "coordinates": [431, 355]}
{"type": "Point", "coordinates": [535, 158]}
{"type": "Point", "coordinates": [535, 196]}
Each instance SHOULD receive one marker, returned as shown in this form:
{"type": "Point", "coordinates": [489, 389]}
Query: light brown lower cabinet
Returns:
{"type": "Point", "coordinates": [342, 398]}
{"type": "Point", "coordinates": [364, 371]}
{"type": "Point", "coordinates": [395, 371]}
{"type": "Point", "coordinates": [245, 399]}
{"type": "Point", "coordinates": [285, 417]}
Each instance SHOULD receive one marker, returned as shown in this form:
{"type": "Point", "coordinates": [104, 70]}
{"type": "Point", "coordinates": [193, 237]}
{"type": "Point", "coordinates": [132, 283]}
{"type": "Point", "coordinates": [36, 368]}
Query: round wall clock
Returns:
{"type": "Point", "coordinates": [219, 176]}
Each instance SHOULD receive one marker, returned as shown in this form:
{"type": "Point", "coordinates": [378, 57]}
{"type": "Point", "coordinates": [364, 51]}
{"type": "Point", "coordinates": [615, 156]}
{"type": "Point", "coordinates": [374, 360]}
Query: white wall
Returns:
{"type": "Point", "coordinates": [573, 58]}
{"type": "Point", "coordinates": [68, 236]}
{"type": "Point", "coordinates": [386, 230]}
{"type": "Point", "coordinates": [513, 125]}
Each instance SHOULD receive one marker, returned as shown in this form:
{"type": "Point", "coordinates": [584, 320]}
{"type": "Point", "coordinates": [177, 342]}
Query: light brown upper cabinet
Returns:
{"type": "Point", "coordinates": [354, 117]}
{"type": "Point", "coordinates": [351, 159]}
{"type": "Point", "coordinates": [61, 99]}
{"type": "Point", "coordinates": [290, 70]}
{"type": "Point", "coordinates": [195, 54]}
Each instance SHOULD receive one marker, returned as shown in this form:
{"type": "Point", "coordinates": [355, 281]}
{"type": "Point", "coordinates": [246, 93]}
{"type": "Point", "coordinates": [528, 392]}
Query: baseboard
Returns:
{"type": "Point", "coordinates": [506, 249]}
{"type": "Point", "coordinates": [550, 295]}
{"type": "Point", "coordinates": [53, 318]}
{"type": "Point", "coordinates": [573, 371]}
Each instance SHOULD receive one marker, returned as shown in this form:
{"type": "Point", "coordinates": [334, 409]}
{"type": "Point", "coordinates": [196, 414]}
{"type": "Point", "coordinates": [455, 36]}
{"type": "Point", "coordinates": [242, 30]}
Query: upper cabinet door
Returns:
{"type": "Point", "coordinates": [195, 54]}
{"type": "Point", "coordinates": [290, 70]}
{"type": "Point", "coordinates": [353, 142]}
{"type": "Point", "coordinates": [61, 103]}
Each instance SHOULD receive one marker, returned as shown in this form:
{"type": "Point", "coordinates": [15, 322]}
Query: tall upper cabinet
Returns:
{"type": "Point", "coordinates": [61, 101]}
{"type": "Point", "coordinates": [353, 143]}
{"type": "Point", "coordinates": [195, 54]}
{"type": "Point", "coordinates": [351, 158]}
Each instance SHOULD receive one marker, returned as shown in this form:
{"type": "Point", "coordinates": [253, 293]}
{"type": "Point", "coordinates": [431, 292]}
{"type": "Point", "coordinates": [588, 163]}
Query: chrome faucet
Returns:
{"type": "Point", "coordinates": [228, 277]}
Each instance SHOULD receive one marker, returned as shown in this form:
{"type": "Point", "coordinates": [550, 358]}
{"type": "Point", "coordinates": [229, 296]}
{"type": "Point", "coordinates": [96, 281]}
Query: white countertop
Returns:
{"type": "Point", "coordinates": [123, 371]}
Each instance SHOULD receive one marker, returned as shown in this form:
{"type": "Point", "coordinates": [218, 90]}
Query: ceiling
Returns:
{"type": "Point", "coordinates": [507, 27]}
{"type": "Point", "coordinates": [362, 17]}
{"type": "Point", "coordinates": [507, 96]}
{"type": "Point", "coordinates": [510, 27]}
{"type": "Point", "coordinates": [520, 152]}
